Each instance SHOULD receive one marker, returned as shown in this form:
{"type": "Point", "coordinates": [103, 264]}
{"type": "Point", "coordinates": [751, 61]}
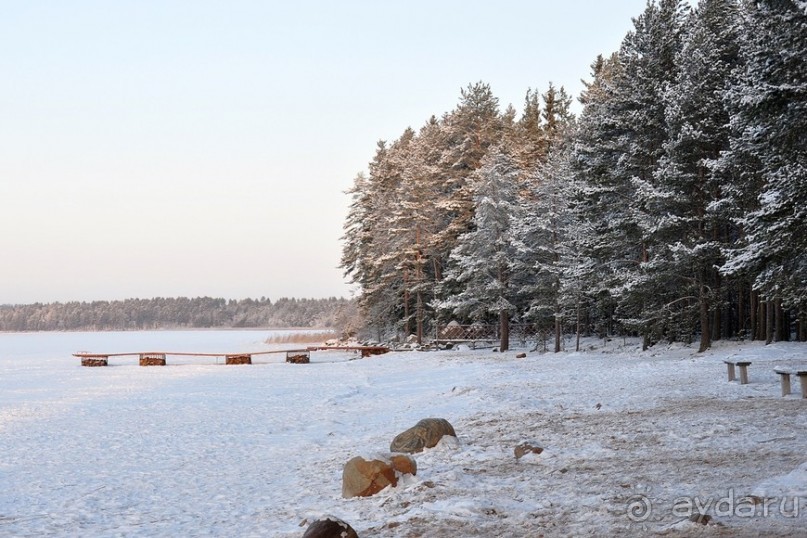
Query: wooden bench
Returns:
{"type": "Point", "coordinates": [743, 366]}
{"type": "Point", "coordinates": [784, 376]}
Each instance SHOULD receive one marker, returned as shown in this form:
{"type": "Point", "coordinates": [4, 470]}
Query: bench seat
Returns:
{"type": "Point", "coordinates": [743, 366]}
{"type": "Point", "coordinates": [784, 376]}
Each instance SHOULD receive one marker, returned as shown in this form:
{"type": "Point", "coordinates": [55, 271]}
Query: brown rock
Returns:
{"type": "Point", "coordinates": [526, 448]}
{"type": "Point", "coordinates": [404, 464]}
{"type": "Point", "coordinates": [425, 434]}
{"type": "Point", "coordinates": [521, 356]}
{"type": "Point", "coordinates": [362, 478]}
{"type": "Point", "coordinates": [330, 527]}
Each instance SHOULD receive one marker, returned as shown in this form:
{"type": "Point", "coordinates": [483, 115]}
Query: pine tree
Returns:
{"type": "Point", "coordinates": [599, 205]}
{"type": "Point", "coordinates": [691, 228]}
{"type": "Point", "coordinates": [539, 232]}
{"type": "Point", "coordinates": [484, 262]}
{"type": "Point", "coordinates": [470, 130]}
{"type": "Point", "coordinates": [648, 65]}
{"type": "Point", "coordinates": [769, 106]}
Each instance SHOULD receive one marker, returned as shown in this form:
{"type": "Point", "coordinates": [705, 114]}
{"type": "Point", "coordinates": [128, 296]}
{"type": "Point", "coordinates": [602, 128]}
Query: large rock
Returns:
{"type": "Point", "coordinates": [362, 478]}
{"type": "Point", "coordinates": [452, 331]}
{"type": "Point", "coordinates": [425, 434]}
{"type": "Point", "coordinates": [330, 527]}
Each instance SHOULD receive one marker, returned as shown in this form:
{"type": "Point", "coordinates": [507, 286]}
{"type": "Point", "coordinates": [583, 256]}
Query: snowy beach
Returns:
{"type": "Point", "coordinates": [203, 449]}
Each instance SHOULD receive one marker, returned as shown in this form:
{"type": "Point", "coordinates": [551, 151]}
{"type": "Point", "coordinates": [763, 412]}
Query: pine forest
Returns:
{"type": "Point", "coordinates": [179, 313]}
{"type": "Point", "coordinates": [672, 207]}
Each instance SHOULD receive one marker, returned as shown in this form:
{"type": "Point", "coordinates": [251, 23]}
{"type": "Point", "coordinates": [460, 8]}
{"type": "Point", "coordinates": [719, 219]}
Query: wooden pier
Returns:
{"type": "Point", "coordinates": [366, 351]}
{"type": "Point", "coordinates": [159, 358]}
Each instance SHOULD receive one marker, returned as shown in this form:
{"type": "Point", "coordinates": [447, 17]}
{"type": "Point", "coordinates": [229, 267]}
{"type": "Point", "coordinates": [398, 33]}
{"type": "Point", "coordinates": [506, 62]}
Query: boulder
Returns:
{"type": "Point", "coordinates": [452, 331]}
{"type": "Point", "coordinates": [521, 356]}
{"type": "Point", "coordinates": [362, 478]}
{"type": "Point", "coordinates": [330, 527]}
{"type": "Point", "coordinates": [425, 434]}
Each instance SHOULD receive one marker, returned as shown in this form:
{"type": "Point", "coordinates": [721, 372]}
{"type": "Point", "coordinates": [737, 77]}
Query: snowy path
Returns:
{"type": "Point", "coordinates": [207, 450]}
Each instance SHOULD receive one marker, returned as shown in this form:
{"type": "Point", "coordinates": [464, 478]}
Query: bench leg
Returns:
{"type": "Point", "coordinates": [732, 375]}
{"type": "Point", "coordinates": [743, 375]}
{"type": "Point", "coordinates": [803, 379]}
{"type": "Point", "coordinates": [785, 384]}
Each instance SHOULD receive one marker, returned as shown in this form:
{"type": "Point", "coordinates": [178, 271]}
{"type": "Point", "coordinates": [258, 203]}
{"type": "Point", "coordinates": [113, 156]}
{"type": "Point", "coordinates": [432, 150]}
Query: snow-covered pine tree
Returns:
{"type": "Point", "coordinates": [372, 252]}
{"type": "Point", "coordinates": [690, 226]}
{"type": "Point", "coordinates": [469, 131]}
{"type": "Point", "coordinates": [483, 262]}
{"type": "Point", "coordinates": [416, 221]}
{"type": "Point", "coordinates": [769, 124]}
{"type": "Point", "coordinates": [648, 61]}
{"type": "Point", "coordinates": [539, 230]}
{"type": "Point", "coordinates": [598, 193]}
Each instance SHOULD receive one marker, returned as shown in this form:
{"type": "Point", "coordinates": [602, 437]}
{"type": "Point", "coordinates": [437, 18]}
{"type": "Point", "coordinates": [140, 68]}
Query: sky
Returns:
{"type": "Point", "coordinates": [203, 148]}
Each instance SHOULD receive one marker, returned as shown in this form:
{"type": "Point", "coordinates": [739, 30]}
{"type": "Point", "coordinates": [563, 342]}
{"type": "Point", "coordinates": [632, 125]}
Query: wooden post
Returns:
{"type": "Point", "coordinates": [732, 374]}
{"type": "Point", "coordinates": [803, 379]}
{"type": "Point", "coordinates": [743, 372]}
{"type": "Point", "coordinates": [784, 377]}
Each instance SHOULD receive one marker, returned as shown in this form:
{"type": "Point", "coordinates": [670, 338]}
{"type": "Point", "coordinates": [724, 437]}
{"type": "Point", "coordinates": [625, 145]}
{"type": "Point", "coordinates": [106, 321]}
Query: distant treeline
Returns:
{"type": "Point", "coordinates": [176, 313]}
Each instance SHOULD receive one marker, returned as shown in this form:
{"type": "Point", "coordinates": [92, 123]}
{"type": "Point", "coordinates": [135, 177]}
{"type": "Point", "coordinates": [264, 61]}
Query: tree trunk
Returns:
{"type": "Point", "coordinates": [716, 321]}
{"type": "Point", "coordinates": [706, 333]}
{"type": "Point", "coordinates": [419, 318]}
{"type": "Point", "coordinates": [407, 321]}
{"type": "Point", "coordinates": [761, 318]}
{"type": "Point", "coordinates": [504, 330]}
{"type": "Point", "coordinates": [740, 311]}
{"type": "Point", "coordinates": [778, 321]}
{"type": "Point", "coordinates": [577, 312]}
{"type": "Point", "coordinates": [769, 325]}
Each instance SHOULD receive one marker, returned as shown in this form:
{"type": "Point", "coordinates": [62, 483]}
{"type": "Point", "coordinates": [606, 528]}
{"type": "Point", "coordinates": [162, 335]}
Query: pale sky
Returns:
{"type": "Point", "coordinates": [200, 147]}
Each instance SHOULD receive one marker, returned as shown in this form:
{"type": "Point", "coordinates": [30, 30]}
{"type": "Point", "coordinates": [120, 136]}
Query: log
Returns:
{"type": "Point", "coordinates": [152, 359]}
{"type": "Point", "coordinates": [298, 357]}
{"type": "Point", "coordinates": [95, 361]}
{"type": "Point", "coordinates": [238, 359]}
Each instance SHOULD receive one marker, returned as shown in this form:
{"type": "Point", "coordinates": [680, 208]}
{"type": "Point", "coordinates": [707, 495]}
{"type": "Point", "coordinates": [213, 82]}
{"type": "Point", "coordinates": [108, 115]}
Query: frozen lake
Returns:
{"type": "Point", "coordinates": [203, 449]}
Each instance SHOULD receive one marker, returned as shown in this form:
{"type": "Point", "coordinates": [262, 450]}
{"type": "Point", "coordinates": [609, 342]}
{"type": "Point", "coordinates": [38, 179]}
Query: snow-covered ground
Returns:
{"type": "Point", "coordinates": [203, 449]}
